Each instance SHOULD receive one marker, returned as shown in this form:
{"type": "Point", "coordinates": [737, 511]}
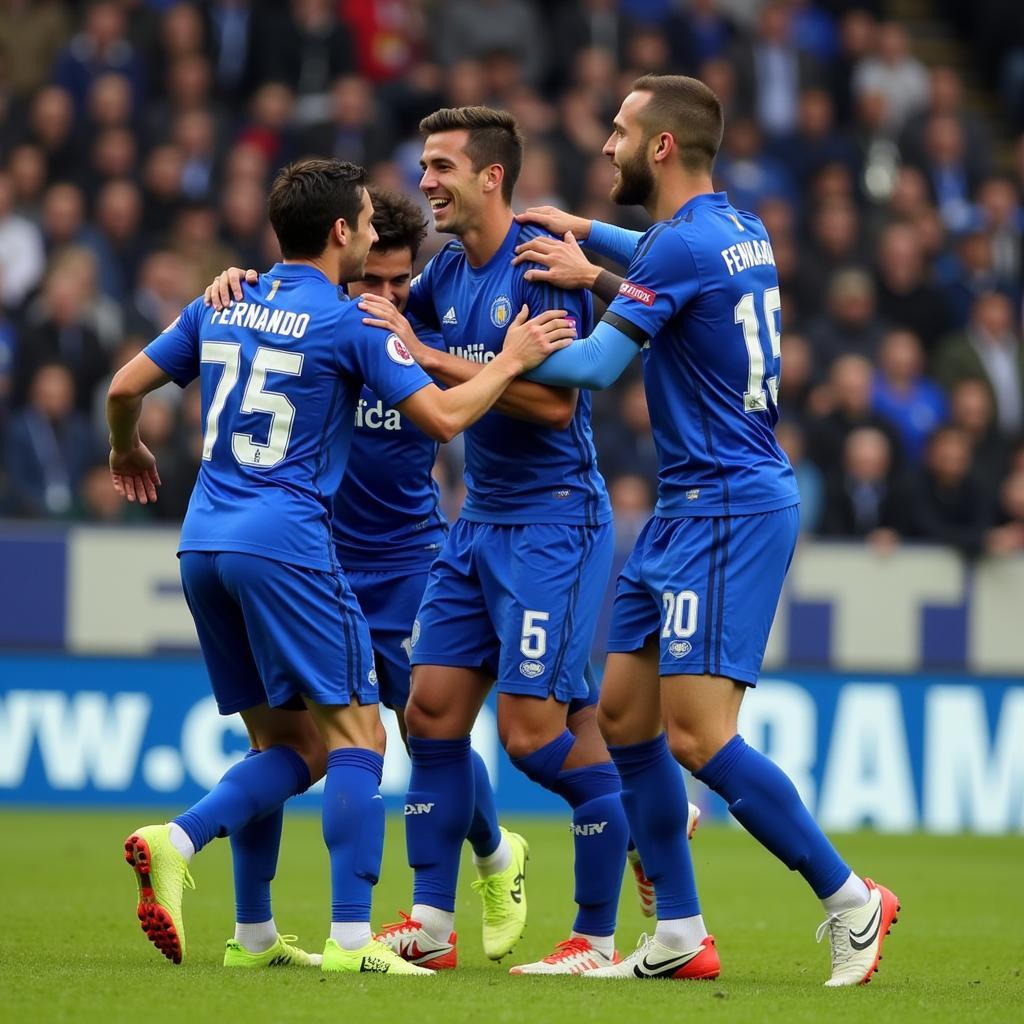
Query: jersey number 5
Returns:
{"type": "Point", "coordinates": [255, 399]}
{"type": "Point", "coordinates": [754, 398]}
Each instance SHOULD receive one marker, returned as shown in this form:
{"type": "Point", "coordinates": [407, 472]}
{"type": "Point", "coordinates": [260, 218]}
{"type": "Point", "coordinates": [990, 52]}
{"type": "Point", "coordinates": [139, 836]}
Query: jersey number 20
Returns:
{"type": "Point", "coordinates": [754, 398]}
{"type": "Point", "coordinates": [255, 399]}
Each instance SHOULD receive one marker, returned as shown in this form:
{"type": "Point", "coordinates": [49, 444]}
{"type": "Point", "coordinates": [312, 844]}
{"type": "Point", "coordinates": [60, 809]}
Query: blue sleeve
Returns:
{"type": "Point", "coordinates": [540, 296]}
{"type": "Point", "coordinates": [432, 338]}
{"type": "Point", "coordinates": [420, 307]}
{"type": "Point", "coordinates": [593, 362]}
{"type": "Point", "coordinates": [616, 243]}
{"type": "Point", "coordinates": [380, 359]}
{"type": "Point", "coordinates": [662, 278]}
{"type": "Point", "coordinates": [176, 350]}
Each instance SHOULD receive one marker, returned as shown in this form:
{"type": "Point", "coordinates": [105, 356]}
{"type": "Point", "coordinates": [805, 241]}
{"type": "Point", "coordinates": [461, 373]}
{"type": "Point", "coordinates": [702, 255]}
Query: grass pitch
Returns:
{"type": "Point", "coordinates": [71, 948]}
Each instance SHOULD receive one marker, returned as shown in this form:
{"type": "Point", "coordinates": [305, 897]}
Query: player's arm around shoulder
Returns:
{"type": "Point", "coordinates": [443, 414]}
{"type": "Point", "coordinates": [521, 399]}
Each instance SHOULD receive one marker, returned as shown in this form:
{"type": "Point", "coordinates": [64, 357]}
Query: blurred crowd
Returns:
{"type": "Point", "coordinates": [138, 138]}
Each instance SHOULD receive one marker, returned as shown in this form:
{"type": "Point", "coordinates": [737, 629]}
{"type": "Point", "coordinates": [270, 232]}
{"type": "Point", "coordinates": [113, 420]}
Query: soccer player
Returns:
{"type": "Point", "coordinates": [513, 596]}
{"type": "Point", "coordinates": [695, 601]}
{"type": "Point", "coordinates": [388, 525]}
{"type": "Point", "coordinates": [280, 375]}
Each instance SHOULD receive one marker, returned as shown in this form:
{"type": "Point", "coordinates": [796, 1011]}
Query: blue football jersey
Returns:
{"type": "Point", "coordinates": [387, 512]}
{"type": "Point", "coordinates": [281, 372]}
{"type": "Point", "coordinates": [516, 472]}
{"type": "Point", "coordinates": [703, 291]}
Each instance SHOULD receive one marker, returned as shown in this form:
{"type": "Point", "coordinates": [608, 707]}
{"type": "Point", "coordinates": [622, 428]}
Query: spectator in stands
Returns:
{"type": "Point", "coordinates": [903, 395]}
{"type": "Point", "coordinates": [835, 245]}
{"type": "Point", "coordinates": [40, 28]}
{"type": "Point", "coordinates": [49, 445]}
{"type": "Point", "coordinates": [161, 292]}
{"type": "Point", "coordinates": [865, 498]}
{"type": "Point", "coordinates": [64, 218]}
{"type": "Point", "coordinates": [22, 258]}
{"type": "Point", "coordinates": [114, 155]}
{"type": "Point", "coordinates": [892, 72]}
{"type": "Point", "coordinates": [357, 128]}
{"type": "Point", "coordinates": [57, 330]}
{"type": "Point", "coordinates": [52, 129]}
{"type": "Point", "coordinates": [1002, 216]}
{"type": "Point", "coordinates": [967, 273]}
{"type": "Point", "coordinates": [848, 397]}
{"type": "Point", "coordinates": [117, 244]}
{"type": "Point", "coordinates": [809, 479]}
{"type": "Point", "coordinates": [771, 72]}
{"type": "Point", "coordinates": [162, 189]}
{"type": "Point", "coordinates": [949, 172]}
{"type": "Point", "coordinates": [27, 170]}
{"type": "Point", "coordinates": [474, 28]}
{"type": "Point", "coordinates": [989, 350]}
{"type": "Point", "coordinates": [243, 219]}
{"type": "Point", "coordinates": [632, 503]}
{"type": "Point", "coordinates": [816, 141]}
{"type": "Point", "coordinates": [972, 411]}
{"type": "Point", "coordinates": [851, 323]}
{"type": "Point", "coordinates": [1008, 537]}
{"type": "Point", "coordinates": [948, 505]}
{"type": "Point", "coordinates": [747, 171]}
{"type": "Point", "coordinates": [101, 47]}
{"type": "Point", "coordinates": [627, 446]}
{"type": "Point", "coordinates": [906, 298]}
{"type": "Point", "coordinates": [798, 376]}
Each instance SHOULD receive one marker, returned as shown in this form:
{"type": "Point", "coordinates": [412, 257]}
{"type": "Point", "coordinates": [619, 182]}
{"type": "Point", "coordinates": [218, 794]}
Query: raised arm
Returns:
{"type": "Point", "coordinates": [616, 243]}
{"type": "Point", "coordinates": [521, 399]}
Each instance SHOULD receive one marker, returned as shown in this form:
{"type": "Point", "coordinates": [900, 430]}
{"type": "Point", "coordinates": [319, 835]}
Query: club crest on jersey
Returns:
{"type": "Point", "coordinates": [680, 648]}
{"type": "Point", "coordinates": [501, 311]}
{"type": "Point", "coordinates": [637, 292]}
{"type": "Point", "coordinates": [372, 677]}
{"type": "Point", "coordinates": [531, 669]}
{"type": "Point", "coordinates": [397, 352]}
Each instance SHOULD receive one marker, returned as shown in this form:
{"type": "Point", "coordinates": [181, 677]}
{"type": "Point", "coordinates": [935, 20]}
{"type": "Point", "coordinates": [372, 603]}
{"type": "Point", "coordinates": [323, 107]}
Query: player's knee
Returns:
{"type": "Point", "coordinates": [613, 726]}
{"type": "Point", "coordinates": [520, 743]}
{"type": "Point", "coordinates": [421, 719]}
{"type": "Point", "coordinates": [688, 747]}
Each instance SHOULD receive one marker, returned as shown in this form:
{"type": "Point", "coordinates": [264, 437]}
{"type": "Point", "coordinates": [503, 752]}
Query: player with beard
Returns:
{"type": "Point", "coordinates": [695, 601]}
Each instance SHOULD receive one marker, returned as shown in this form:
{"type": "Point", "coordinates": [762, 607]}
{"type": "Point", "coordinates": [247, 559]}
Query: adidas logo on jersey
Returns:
{"type": "Point", "coordinates": [450, 317]}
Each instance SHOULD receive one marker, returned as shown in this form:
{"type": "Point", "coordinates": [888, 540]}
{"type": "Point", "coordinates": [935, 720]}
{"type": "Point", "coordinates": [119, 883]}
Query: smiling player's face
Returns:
{"type": "Point", "coordinates": [453, 189]}
{"type": "Point", "coordinates": [387, 274]}
{"type": "Point", "coordinates": [627, 149]}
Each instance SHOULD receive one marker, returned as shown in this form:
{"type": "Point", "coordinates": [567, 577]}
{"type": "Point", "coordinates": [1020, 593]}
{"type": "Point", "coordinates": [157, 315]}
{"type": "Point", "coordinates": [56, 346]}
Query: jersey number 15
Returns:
{"type": "Point", "coordinates": [754, 398]}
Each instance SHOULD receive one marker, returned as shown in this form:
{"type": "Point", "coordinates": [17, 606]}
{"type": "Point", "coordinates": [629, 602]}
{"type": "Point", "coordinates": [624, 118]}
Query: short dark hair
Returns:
{"type": "Point", "coordinates": [494, 138]}
{"type": "Point", "coordinates": [307, 197]}
{"type": "Point", "coordinates": [689, 110]}
{"type": "Point", "coordinates": [398, 221]}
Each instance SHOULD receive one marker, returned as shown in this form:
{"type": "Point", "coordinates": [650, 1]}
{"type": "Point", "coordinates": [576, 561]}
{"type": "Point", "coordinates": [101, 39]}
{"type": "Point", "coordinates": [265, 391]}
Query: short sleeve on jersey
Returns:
{"type": "Point", "coordinates": [381, 359]}
{"type": "Point", "coordinates": [662, 278]}
{"type": "Point", "coordinates": [176, 350]}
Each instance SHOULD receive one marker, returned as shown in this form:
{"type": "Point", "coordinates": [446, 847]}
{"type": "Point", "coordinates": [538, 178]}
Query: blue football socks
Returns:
{"type": "Point", "coordinates": [484, 834]}
{"type": "Point", "coordinates": [765, 802]}
{"type": "Point", "coordinates": [600, 833]}
{"type": "Point", "coordinates": [353, 822]}
{"type": "Point", "coordinates": [249, 790]}
{"type": "Point", "coordinates": [654, 798]}
{"type": "Point", "coordinates": [254, 851]}
{"type": "Point", "coordinates": [438, 815]}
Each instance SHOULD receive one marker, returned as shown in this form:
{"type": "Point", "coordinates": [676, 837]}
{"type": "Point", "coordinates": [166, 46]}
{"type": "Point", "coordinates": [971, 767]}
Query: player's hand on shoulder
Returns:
{"type": "Point", "coordinates": [558, 222]}
{"type": "Point", "coordinates": [567, 264]}
{"type": "Point", "coordinates": [385, 314]}
{"type": "Point", "coordinates": [530, 342]}
{"type": "Point", "coordinates": [134, 474]}
{"type": "Point", "coordinates": [227, 286]}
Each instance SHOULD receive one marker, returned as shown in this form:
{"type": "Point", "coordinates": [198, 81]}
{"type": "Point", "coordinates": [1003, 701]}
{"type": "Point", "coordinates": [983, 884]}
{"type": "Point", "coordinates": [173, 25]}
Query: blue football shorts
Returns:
{"type": "Point", "coordinates": [389, 600]}
{"type": "Point", "coordinates": [271, 632]}
{"type": "Point", "coordinates": [708, 587]}
{"type": "Point", "coordinates": [520, 602]}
